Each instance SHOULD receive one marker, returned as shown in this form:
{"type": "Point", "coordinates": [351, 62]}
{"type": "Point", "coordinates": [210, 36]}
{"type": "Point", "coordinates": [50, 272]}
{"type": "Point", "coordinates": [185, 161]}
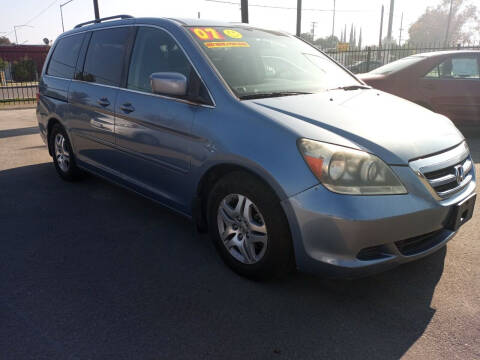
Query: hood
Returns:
{"type": "Point", "coordinates": [392, 128]}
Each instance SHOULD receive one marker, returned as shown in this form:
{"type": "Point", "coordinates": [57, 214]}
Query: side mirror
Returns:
{"type": "Point", "coordinates": [168, 83]}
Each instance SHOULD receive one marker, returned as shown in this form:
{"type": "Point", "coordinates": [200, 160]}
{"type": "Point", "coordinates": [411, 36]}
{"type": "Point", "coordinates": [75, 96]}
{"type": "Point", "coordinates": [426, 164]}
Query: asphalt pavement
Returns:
{"type": "Point", "coordinates": [92, 271]}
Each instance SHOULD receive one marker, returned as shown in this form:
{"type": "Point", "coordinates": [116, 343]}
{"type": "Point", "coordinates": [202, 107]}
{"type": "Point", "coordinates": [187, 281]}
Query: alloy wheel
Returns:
{"type": "Point", "coordinates": [61, 152]}
{"type": "Point", "coordinates": [242, 228]}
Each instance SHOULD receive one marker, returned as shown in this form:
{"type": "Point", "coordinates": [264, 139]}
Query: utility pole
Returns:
{"type": "Point", "coordinates": [299, 17]}
{"type": "Point", "coordinates": [313, 29]}
{"type": "Point", "coordinates": [381, 28]}
{"type": "Point", "coordinates": [401, 29]}
{"type": "Point", "coordinates": [95, 9]}
{"type": "Point", "coordinates": [390, 20]}
{"type": "Point", "coordinates": [333, 21]}
{"type": "Point", "coordinates": [448, 23]}
{"type": "Point", "coordinates": [244, 10]}
{"type": "Point", "coordinates": [61, 13]}
{"type": "Point", "coordinates": [15, 29]}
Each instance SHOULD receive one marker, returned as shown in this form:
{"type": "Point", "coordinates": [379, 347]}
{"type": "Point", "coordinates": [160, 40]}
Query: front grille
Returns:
{"type": "Point", "coordinates": [446, 182]}
{"type": "Point", "coordinates": [447, 173]}
{"type": "Point", "coordinates": [372, 253]}
{"type": "Point", "coordinates": [420, 243]}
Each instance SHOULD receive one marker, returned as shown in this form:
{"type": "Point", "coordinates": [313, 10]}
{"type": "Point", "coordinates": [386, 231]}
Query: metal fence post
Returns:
{"type": "Point", "coordinates": [369, 56]}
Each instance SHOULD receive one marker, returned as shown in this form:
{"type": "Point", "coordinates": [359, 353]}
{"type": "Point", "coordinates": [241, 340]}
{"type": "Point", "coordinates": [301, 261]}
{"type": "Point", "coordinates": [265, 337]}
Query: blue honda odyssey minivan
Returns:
{"type": "Point", "coordinates": [281, 154]}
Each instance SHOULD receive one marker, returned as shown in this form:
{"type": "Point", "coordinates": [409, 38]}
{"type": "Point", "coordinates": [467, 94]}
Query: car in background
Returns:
{"type": "Point", "coordinates": [364, 66]}
{"type": "Point", "coordinates": [447, 82]}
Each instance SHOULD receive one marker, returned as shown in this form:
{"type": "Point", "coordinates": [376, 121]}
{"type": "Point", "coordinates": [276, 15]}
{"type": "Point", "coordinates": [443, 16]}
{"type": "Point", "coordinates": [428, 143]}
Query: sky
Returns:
{"type": "Point", "coordinates": [44, 15]}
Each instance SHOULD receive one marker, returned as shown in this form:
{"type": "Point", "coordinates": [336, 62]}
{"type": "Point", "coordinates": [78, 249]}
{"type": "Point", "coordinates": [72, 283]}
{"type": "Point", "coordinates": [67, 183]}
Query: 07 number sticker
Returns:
{"type": "Point", "coordinates": [207, 34]}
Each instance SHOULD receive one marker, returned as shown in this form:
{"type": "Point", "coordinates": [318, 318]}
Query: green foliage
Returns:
{"type": "Point", "coordinates": [307, 37]}
{"type": "Point", "coordinates": [4, 40]}
{"type": "Point", "coordinates": [24, 70]}
{"type": "Point", "coordinates": [431, 27]}
{"type": "Point", "coordinates": [329, 42]}
{"type": "Point", "coordinates": [3, 64]}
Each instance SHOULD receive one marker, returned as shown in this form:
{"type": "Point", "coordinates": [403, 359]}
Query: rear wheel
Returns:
{"type": "Point", "coordinates": [249, 228]}
{"type": "Point", "coordinates": [63, 157]}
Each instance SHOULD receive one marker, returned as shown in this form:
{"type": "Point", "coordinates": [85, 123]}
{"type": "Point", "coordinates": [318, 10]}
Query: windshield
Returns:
{"type": "Point", "coordinates": [261, 62]}
{"type": "Point", "coordinates": [397, 65]}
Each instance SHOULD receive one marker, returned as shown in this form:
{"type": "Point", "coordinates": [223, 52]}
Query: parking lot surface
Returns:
{"type": "Point", "coordinates": [92, 271]}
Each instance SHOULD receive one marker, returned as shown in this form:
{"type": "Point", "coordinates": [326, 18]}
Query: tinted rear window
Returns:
{"type": "Point", "coordinates": [105, 56]}
{"type": "Point", "coordinates": [397, 65]}
{"type": "Point", "coordinates": [64, 57]}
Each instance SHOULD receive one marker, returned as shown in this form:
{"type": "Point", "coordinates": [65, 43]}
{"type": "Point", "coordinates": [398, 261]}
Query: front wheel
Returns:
{"type": "Point", "coordinates": [249, 228]}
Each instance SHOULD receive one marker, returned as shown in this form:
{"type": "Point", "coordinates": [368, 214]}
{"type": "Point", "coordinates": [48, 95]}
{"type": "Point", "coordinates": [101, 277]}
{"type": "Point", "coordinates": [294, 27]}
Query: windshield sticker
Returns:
{"type": "Point", "coordinates": [207, 34]}
{"type": "Point", "coordinates": [232, 33]}
{"type": "Point", "coordinates": [226, 44]}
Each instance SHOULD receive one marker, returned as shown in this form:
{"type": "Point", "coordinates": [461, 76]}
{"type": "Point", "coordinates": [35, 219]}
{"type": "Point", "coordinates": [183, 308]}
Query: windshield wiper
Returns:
{"type": "Point", "coordinates": [351, 87]}
{"type": "Point", "coordinates": [272, 94]}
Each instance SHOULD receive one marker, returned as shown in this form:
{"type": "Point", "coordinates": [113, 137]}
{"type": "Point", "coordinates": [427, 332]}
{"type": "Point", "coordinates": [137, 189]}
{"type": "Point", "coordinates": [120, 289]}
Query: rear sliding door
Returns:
{"type": "Point", "coordinates": [93, 94]}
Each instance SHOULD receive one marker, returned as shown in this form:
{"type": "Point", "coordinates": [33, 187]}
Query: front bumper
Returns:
{"type": "Point", "coordinates": [349, 236]}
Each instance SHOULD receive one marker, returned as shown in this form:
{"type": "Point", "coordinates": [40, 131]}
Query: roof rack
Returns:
{"type": "Point", "coordinates": [96, 21]}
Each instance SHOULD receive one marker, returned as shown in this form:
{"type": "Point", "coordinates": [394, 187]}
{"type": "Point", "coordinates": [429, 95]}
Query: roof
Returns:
{"type": "Point", "coordinates": [205, 22]}
{"type": "Point", "coordinates": [151, 20]}
{"type": "Point", "coordinates": [447, 52]}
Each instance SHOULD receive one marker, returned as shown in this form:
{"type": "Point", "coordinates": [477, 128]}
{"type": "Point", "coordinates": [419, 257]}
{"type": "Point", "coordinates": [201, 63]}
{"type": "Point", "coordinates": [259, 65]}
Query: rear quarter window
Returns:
{"type": "Point", "coordinates": [104, 61]}
{"type": "Point", "coordinates": [64, 57]}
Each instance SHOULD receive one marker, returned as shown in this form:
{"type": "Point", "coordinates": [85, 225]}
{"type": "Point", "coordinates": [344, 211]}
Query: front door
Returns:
{"type": "Point", "coordinates": [452, 88]}
{"type": "Point", "coordinates": [154, 131]}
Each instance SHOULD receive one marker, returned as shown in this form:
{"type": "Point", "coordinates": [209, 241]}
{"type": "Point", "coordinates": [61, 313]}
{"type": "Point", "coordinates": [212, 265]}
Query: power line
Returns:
{"type": "Point", "coordinates": [36, 16]}
{"type": "Point", "coordinates": [41, 12]}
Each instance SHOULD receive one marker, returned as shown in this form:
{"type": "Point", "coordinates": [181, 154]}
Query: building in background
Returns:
{"type": "Point", "coordinates": [16, 53]}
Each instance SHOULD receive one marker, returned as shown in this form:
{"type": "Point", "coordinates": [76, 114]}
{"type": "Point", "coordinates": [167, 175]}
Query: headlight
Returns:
{"type": "Point", "coordinates": [348, 171]}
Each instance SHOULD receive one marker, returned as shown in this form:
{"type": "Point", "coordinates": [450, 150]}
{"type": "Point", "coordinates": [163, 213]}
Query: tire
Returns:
{"type": "Point", "coordinates": [63, 157]}
{"type": "Point", "coordinates": [264, 219]}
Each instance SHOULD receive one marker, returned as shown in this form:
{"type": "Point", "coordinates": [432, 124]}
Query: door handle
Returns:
{"type": "Point", "coordinates": [103, 102]}
{"type": "Point", "coordinates": [127, 108]}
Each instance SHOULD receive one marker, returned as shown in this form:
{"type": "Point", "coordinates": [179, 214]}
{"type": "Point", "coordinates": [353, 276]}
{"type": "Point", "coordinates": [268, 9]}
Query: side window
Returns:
{"type": "Point", "coordinates": [64, 57]}
{"type": "Point", "coordinates": [105, 56]}
{"type": "Point", "coordinates": [456, 68]}
{"type": "Point", "coordinates": [465, 68]}
{"type": "Point", "coordinates": [155, 51]}
{"type": "Point", "coordinates": [434, 73]}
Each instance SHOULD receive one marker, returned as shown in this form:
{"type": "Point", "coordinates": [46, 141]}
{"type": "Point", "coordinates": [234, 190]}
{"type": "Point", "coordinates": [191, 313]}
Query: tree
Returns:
{"type": "Point", "coordinates": [307, 37]}
{"type": "Point", "coordinates": [431, 26]}
{"type": "Point", "coordinates": [328, 42]}
{"type": "Point", "coordinates": [3, 64]}
{"type": "Point", "coordinates": [350, 41]}
{"type": "Point", "coordinates": [4, 40]}
{"type": "Point", "coordinates": [24, 70]}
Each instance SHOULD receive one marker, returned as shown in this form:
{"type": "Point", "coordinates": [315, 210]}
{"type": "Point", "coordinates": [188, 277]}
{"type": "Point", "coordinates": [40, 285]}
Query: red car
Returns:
{"type": "Point", "coordinates": [447, 82]}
